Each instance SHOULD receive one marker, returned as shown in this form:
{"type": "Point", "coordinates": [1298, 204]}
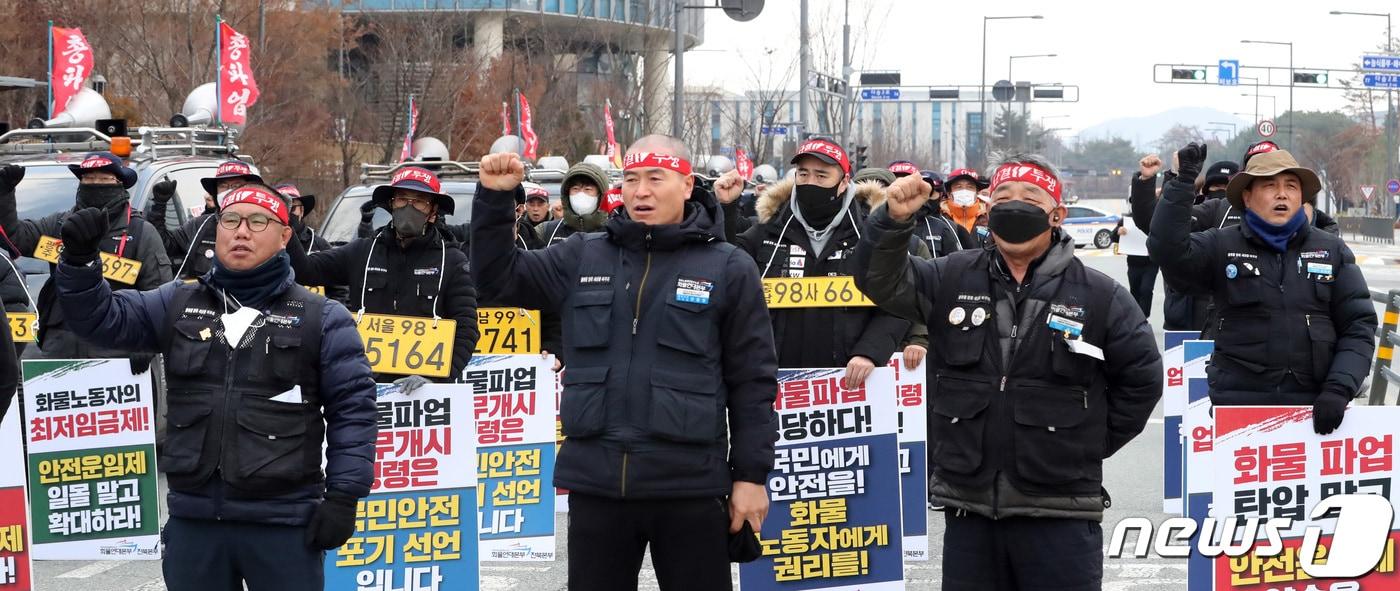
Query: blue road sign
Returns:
{"type": "Point", "coordinates": [1228, 74]}
{"type": "Point", "coordinates": [1381, 80]}
{"type": "Point", "coordinates": [879, 94]}
{"type": "Point", "coordinates": [774, 130]}
{"type": "Point", "coordinates": [1380, 63]}
{"type": "Point", "coordinates": [1393, 186]}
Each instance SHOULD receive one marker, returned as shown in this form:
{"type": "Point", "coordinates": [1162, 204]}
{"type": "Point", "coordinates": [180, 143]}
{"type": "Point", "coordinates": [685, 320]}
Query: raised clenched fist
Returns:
{"type": "Point", "coordinates": [906, 196]}
{"type": "Point", "coordinates": [728, 187]}
{"type": "Point", "coordinates": [1149, 166]}
{"type": "Point", "coordinates": [502, 172]}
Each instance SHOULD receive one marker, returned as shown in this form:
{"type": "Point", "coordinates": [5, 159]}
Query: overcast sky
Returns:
{"type": "Point", "coordinates": [1106, 48]}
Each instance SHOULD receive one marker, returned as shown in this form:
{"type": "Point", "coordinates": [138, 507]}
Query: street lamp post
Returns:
{"type": "Point", "coordinates": [982, 90]}
{"type": "Point", "coordinates": [1290, 82]}
{"type": "Point", "coordinates": [1273, 105]}
{"type": "Point", "coordinates": [1390, 122]}
{"type": "Point", "coordinates": [1009, 61]}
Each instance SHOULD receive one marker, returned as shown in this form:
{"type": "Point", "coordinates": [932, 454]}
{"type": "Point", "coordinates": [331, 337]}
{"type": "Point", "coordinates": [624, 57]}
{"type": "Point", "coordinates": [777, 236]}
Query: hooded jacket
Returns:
{"type": "Point", "coordinates": [781, 247]}
{"type": "Point", "coordinates": [142, 243]}
{"type": "Point", "coordinates": [1002, 378]}
{"type": "Point", "coordinates": [555, 231]}
{"type": "Point", "coordinates": [668, 341]}
{"type": "Point", "coordinates": [936, 230]}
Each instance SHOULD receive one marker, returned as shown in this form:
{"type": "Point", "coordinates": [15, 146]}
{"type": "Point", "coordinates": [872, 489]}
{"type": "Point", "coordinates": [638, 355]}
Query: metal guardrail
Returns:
{"type": "Point", "coordinates": [1388, 339]}
{"type": "Point", "coordinates": [1370, 229]}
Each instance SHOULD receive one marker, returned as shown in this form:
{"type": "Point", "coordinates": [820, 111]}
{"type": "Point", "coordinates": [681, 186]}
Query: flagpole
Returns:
{"type": "Point", "coordinates": [218, 70]}
{"type": "Point", "coordinates": [519, 131]}
{"type": "Point", "coordinates": [48, 105]}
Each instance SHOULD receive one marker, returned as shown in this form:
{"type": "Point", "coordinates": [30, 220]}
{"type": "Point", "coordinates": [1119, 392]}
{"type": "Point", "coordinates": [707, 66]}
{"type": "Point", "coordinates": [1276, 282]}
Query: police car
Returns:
{"type": "Point", "coordinates": [1091, 226]}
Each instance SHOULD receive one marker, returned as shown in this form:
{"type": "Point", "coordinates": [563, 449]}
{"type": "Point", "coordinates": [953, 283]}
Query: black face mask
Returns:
{"type": "Point", "coordinates": [100, 196]}
{"type": "Point", "coordinates": [1215, 195]}
{"type": "Point", "coordinates": [1017, 222]}
{"type": "Point", "coordinates": [409, 222]}
{"type": "Point", "coordinates": [819, 204]}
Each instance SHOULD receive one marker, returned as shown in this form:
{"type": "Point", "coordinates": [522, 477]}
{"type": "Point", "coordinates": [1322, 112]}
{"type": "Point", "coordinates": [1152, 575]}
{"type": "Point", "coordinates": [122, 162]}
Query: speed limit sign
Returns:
{"type": "Point", "coordinates": [1267, 128]}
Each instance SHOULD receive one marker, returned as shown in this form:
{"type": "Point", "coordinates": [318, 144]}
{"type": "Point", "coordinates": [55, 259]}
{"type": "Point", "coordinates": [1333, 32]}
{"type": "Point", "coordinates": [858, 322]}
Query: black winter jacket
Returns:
{"type": "Point", "coordinates": [1284, 333]}
{"type": "Point", "coordinates": [134, 320]}
{"type": "Point", "coordinates": [1126, 386]}
{"type": "Point", "coordinates": [429, 277]}
{"type": "Point", "coordinates": [820, 337]}
{"type": "Point", "coordinates": [56, 341]}
{"type": "Point", "coordinates": [671, 378]}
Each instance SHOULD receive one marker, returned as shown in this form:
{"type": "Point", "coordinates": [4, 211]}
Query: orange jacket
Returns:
{"type": "Point", "coordinates": [964, 216]}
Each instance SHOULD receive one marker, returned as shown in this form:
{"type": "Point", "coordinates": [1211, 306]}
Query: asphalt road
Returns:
{"type": "Point", "coordinates": [1133, 478]}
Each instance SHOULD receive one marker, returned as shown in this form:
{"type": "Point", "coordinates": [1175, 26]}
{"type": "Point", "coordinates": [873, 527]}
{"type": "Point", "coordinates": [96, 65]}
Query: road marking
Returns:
{"type": "Point", "coordinates": [91, 570]}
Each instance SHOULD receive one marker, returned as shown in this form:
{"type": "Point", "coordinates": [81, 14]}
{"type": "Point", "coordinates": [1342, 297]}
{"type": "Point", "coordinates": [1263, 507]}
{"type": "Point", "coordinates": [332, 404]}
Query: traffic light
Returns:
{"type": "Point", "coordinates": [861, 158]}
{"type": "Point", "coordinates": [1309, 78]}
{"type": "Point", "coordinates": [1196, 74]}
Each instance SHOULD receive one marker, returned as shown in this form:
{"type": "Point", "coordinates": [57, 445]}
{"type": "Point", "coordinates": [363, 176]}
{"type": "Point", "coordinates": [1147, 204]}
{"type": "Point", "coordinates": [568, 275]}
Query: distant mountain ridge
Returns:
{"type": "Point", "coordinates": [1144, 131]}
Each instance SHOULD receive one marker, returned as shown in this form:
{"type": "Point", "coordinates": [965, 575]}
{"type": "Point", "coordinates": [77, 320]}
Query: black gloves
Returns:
{"type": "Point", "coordinates": [81, 231]}
{"type": "Point", "coordinates": [333, 522]}
{"type": "Point", "coordinates": [10, 175]}
{"type": "Point", "coordinates": [140, 362]}
{"type": "Point", "coordinates": [1189, 161]}
{"type": "Point", "coordinates": [1328, 411]}
{"type": "Point", "coordinates": [163, 191]}
{"type": "Point", "coordinates": [367, 210]}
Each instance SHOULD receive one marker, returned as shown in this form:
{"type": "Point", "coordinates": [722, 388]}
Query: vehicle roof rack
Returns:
{"type": "Point", "coordinates": [451, 170]}
{"type": "Point", "coordinates": [444, 169]}
{"type": "Point", "coordinates": [54, 140]}
{"type": "Point", "coordinates": [156, 142]}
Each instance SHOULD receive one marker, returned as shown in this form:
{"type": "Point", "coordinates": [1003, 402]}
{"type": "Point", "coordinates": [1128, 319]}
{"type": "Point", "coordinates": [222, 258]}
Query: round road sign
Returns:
{"type": "Point", "coordinates": [1393, 186]}
{"type": "Point", "coordinates": [1267, 128]}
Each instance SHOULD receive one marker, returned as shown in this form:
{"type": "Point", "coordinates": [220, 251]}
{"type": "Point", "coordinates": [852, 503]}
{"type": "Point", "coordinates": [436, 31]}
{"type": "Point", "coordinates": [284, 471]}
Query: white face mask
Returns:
{"type": "Point", "coordinates": [964, 197]}
{"type": "Point", "coordinates": [582, 203]}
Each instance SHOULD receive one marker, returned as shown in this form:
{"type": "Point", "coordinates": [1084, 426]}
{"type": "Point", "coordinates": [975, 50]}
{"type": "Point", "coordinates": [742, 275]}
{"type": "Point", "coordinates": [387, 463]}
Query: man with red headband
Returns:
{"type": "Point", "coordinates": [668, 396]}
{"type": "Point", "coordinates": [265, 379]}
{"type": "Point", "coordinates": [1041, 368]}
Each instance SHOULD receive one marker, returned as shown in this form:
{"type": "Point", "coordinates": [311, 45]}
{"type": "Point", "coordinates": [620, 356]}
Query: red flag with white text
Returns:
{"type": "Point", "coordinates": [237, 88]}
{"type": "Point", "coordinates": [406, 153]}
{"type": "Point", "coordinates": [527, 130]}
{"type": "Point", "coordinates": [743, 164]}
{"type": "Point", "coordinates": [71, 64]}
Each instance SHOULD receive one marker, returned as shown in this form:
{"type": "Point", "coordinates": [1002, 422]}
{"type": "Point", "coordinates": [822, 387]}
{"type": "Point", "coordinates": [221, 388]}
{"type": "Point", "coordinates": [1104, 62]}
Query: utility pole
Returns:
{"type": "Point", "coordinates": [678, 51]}
{"type": "Point", "coordinates": [846, 75]}
{"type": "Point", "coordinates": [805, 71]}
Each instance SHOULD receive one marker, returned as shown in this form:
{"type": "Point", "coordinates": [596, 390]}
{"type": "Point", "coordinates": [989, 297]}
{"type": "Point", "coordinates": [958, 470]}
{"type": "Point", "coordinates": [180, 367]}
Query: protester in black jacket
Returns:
{"type": "Point", "coordinates": [103, 182]}
{"type": "Point", "coordinates": [191, 246]}
{"type": "Point", "coordinates": [668, 398]}
{"type": "Point", "coordinates": [410, 267]}
{"type": "Point", "coordinates": [272, 431]}
{"type": "Point", "coordinates": [1042, 368]}
{"type": "Point", "coordinates": [300, 205]}
{"type": "Point", "coordinates": [813, 235]}
{"type": "Point", "coordinates": [1295, 320]}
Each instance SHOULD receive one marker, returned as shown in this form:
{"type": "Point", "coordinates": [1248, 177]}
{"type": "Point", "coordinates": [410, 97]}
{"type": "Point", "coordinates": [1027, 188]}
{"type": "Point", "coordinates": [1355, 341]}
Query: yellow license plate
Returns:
{"type": "Point", "coordinates": [507, 331]}
{"type": "Point", "coordinates": [24, 326]}
{"type": "Point", "coordinates": [813, 292]}
{"type": "Point", "coordinates": [119, 269]}
{"type": "Point", "coordinates": [408, 345]}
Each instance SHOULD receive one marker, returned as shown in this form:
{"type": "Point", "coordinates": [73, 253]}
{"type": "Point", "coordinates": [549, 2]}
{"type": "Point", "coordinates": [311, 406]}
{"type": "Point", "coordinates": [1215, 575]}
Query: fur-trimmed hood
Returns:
{"type": "Point", "coordinates": [868, 193]}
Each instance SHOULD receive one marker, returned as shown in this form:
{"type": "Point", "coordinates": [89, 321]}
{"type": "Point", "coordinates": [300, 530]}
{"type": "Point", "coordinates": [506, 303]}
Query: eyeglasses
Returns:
{"type": "Point", "coordinates": [256, 222]}
{"type": "Point", "coordinates": [422, 205]}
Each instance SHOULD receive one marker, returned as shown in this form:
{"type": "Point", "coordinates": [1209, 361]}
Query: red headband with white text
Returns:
{"type": "Point", "coordinates": [1027, 173]}
{"type": "Point", "coordinates": [650, 160]}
